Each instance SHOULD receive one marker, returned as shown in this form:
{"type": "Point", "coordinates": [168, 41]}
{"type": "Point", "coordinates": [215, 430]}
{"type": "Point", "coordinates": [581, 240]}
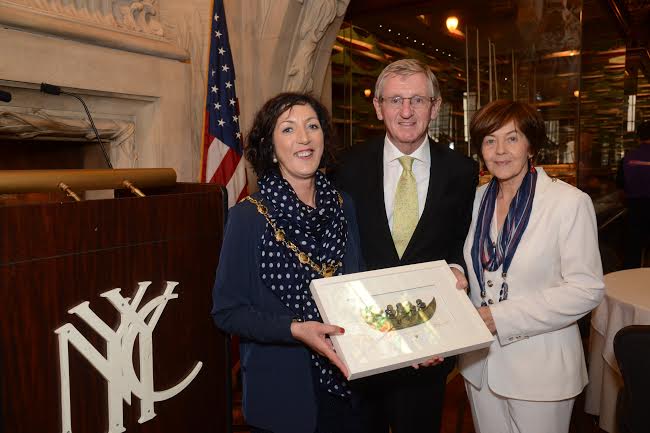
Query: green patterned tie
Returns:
{"type": "Point", "coordinates": [406, 211]}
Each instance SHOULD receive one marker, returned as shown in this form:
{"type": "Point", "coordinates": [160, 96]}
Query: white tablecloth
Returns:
{"type": "Point", "coordinates": [626, 302]}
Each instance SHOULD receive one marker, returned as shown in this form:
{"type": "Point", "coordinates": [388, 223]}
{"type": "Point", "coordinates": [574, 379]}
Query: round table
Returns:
{"type": "Point", "coordinates": [626, 302]}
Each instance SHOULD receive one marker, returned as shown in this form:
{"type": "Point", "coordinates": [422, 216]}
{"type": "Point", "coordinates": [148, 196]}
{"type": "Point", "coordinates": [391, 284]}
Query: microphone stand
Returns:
{"type": "Point", "coordinates": [56, 90]}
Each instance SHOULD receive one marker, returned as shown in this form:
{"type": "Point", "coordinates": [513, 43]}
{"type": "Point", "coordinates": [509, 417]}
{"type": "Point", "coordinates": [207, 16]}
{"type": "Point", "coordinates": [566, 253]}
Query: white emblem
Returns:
{"type": "Point", "coordinates": [117, 368]}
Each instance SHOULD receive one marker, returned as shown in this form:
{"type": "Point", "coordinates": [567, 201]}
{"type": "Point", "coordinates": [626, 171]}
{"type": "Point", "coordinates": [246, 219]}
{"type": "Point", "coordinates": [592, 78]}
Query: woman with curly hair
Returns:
{"type": "Point", "coordinates": [296, 228]}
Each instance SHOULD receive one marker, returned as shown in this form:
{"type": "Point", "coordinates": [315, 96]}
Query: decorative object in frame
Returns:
{"type": "Point", "coordinates": [397, 317]}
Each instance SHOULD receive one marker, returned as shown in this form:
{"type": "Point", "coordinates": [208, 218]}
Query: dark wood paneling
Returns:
{"type": "Point", "coordinates": [55, 256]}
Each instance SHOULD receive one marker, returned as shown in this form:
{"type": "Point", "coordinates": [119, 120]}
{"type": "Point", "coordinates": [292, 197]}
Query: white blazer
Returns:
{"type": "Point", "coordinates": [554, 279]}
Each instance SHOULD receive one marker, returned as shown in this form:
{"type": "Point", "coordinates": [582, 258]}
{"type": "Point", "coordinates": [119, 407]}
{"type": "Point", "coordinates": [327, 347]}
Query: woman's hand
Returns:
{"type": "Point", "coordinates": [486, 315]}
{"type": "Point", "coordinates": [315, 335]}
{"type": "Point", "coordinates": [429, 362]}
{"type": "Point", "coordinates": [461, 281]}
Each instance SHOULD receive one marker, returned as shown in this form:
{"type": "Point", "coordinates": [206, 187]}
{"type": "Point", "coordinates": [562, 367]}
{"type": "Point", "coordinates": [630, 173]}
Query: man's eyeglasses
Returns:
{"type": "Point", "coordinates": [416, 101]}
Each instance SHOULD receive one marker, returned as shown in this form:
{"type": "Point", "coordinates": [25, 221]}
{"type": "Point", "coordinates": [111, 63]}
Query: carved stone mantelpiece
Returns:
{"type": "Point", "coordinates": [122, 55]}
{"type": "Point", "coordinates": [131, 25]}
{"type": "Point", "coordinates": [119, 135]}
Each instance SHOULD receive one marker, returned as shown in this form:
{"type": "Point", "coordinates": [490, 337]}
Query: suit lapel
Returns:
{"type": "Point", "coordinates": [376, 202]}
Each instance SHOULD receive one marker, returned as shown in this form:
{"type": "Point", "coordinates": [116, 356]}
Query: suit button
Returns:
{"type": "Point", "coordinates": [490, 283]}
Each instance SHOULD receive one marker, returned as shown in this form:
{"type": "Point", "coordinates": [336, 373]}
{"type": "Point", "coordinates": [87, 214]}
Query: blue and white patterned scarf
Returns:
{"type": "Point", "coordinates": [489, 255]}
{"type": "Point", "coordinates": [321, 232]}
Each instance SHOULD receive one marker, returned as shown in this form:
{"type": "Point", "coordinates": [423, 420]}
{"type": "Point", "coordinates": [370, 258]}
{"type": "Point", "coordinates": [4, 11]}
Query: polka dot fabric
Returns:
{"type": "Point", "coordinates": [321, 233]}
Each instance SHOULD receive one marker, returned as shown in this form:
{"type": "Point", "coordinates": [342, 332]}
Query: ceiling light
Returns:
{"type": "Point", "coordinates": [452, 23]}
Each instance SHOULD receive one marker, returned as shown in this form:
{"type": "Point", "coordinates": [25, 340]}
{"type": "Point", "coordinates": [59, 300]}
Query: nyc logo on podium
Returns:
{"type": "Point", "coordinates": [117, 367]}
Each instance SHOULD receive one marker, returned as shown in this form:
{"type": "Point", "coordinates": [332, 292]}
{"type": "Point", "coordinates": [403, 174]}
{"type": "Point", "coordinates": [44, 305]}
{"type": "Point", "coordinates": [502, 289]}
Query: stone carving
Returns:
{"type": "Point", "coordinates": [142, 16]}
{"type": "Point", "coordinates": [139, 16]}
{"type": "Point", "coordinates": [119, 134]}
{"type": "Point", "coordinates": [316, 19]}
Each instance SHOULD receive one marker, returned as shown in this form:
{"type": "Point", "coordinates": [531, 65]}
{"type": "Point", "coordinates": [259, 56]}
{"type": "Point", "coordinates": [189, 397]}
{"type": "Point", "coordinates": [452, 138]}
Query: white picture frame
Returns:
{"type": "Point", "coordinates": [375, 342]}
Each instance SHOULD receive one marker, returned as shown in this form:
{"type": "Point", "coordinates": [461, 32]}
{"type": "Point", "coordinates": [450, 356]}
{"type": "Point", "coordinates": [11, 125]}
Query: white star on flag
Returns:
{"type": "Point", "coordinates": [222, 156]}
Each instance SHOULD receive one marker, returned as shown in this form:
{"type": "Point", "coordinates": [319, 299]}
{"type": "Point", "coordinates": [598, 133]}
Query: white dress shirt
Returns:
{"type": "Point", "coordinates": [393, 171]}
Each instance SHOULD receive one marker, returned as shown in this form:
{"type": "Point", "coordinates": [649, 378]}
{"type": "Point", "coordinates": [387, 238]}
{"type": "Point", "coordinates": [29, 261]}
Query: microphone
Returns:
{"type": "Point", "coordinates": [51, 89]}
{"type": "Point", "coordinates": [5, 96]}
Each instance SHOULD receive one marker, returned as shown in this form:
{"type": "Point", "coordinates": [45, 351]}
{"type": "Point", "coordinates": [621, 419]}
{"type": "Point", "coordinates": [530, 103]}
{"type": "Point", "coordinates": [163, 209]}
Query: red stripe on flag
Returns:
{"type": "Point", "coordinates": [227, 167]}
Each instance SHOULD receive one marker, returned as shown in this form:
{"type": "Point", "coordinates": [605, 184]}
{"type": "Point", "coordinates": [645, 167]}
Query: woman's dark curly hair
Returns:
{"type": "Point", "coordinates": [259, 151]}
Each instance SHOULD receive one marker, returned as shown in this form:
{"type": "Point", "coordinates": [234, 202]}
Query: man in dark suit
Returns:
{"type": "Point", "coordinates": [414, 204]}
{"type": "Point", "coordinates": [634, 177]}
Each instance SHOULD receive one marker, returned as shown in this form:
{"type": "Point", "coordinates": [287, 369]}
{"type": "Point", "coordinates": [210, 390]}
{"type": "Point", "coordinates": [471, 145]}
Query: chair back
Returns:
{"type": "Point", "coordinates": [632, 350]}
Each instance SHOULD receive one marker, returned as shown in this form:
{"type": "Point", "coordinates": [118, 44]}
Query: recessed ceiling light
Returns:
{"type": "Point", "coordinates": [390, 30]}
{"type": "Point", "coordinates": [415, 40]}
{"type": "Point", "coordinates": [380, 25]}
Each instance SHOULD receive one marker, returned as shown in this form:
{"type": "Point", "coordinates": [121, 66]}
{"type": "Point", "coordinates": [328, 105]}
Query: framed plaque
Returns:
{"type": "Point", "coordinates": [397, 317]}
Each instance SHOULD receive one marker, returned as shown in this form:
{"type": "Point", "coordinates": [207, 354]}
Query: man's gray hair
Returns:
{"type": "Point", "coordinates": [405, 68]}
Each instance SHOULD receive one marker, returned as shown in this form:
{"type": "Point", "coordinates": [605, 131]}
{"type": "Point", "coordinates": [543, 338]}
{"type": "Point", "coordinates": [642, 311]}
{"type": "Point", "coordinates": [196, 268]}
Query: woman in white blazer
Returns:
{"type": "Point", "coordinates": [534, 269]}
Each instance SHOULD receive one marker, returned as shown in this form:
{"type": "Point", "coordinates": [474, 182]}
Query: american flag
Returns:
{"type": "Point", "coordinates": [222, 161]}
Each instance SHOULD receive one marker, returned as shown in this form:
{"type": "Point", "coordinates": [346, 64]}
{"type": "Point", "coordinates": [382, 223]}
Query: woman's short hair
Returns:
{"type": "Point", "coordinates": [259, 150]}
{"type": "Point", "coordinates": [405, 68]}
{"type": "Point", "coordinates": [497, 113]}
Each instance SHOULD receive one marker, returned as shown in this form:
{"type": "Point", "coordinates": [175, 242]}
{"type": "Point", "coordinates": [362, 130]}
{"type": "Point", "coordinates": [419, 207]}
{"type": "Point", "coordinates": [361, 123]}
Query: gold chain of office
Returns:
{"type": "Point", "coordinates": [324, 269]}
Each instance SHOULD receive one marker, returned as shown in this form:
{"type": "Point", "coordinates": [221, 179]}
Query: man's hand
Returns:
{"type": "Point", "coordinates": [315, 335]}
{"type": "Point", "coordinates": [486, 315]}
{"type": "Point", "coordinates": [429, 362]}
{"type": "Point", "coordinates": [461, 281]}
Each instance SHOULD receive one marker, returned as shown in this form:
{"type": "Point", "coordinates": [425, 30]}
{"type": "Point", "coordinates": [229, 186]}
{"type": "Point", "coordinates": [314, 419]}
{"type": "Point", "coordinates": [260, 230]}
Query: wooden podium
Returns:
{"type": "Point", "coordinates": [57, 255]}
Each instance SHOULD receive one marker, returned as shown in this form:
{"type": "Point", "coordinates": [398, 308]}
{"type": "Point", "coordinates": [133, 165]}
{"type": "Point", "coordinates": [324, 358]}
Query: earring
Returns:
{"type": "Point", "coordinates": [531, 166]}
{"type": "Point", "coordinates": [275, 160]}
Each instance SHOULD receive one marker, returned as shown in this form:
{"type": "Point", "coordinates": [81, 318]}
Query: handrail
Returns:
{"type": "Point", "coordinates": [612, 219]}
